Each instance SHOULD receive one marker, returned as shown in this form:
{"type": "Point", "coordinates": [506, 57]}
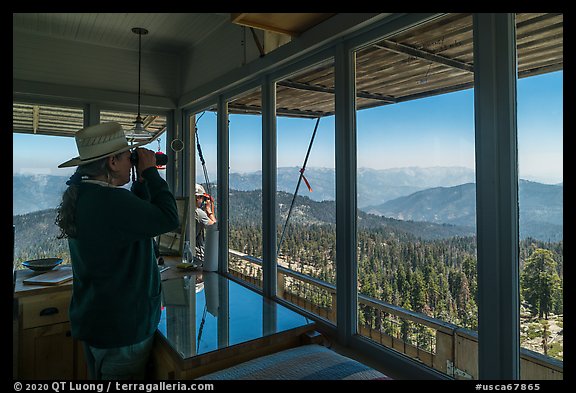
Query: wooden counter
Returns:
{"type": "Point", "coordinates": [21, 289]}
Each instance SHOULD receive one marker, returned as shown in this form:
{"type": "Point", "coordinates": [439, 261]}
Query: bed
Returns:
{"type": "Point", "coordinates": [306, 362]}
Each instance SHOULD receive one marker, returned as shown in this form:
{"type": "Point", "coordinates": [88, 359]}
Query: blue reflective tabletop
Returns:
{"type": "Point", "coordinates": [204, 312]}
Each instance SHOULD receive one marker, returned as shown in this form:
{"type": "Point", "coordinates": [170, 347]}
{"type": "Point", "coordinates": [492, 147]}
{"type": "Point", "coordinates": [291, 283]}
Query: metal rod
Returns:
{"type": "Point", "coordinates": [297, 186]}
{"type": "Point", "coordinates": [139, 31]}
{"type": "Point", "coordinates": [139, 68]}
{"type": "Point", "coordinates": [201, 156]}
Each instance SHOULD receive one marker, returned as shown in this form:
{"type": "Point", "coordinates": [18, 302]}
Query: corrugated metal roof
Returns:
{"type": "Point", "coordinates": [434, 58]}
{"type": "Point", "coordinates": [66, 121]}
{"type": "Point", "coordinates": [46, 119]}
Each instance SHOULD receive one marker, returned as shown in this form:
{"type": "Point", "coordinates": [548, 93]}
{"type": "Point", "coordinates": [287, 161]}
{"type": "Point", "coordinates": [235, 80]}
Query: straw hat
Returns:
{"type": "Point", "coordinates": [199, 190]}
{"type": "Point", "coordinates": [99, 141]}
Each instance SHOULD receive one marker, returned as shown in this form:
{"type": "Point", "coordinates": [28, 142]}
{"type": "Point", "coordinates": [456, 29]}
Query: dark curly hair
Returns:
{"type": "Point", "coordinates": [66, 211]}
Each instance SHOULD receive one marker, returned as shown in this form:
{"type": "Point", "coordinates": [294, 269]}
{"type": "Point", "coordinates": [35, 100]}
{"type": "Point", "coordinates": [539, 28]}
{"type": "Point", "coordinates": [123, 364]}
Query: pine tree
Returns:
{"type": "Point", "coordinates": [541, 283]}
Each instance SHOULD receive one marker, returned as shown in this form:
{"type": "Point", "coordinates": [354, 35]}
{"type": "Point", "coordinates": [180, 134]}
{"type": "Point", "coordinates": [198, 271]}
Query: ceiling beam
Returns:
{"type": "Point", "coordinates": [232, 108]}
{"type": "Point", "coordinates": [35, 118]}
{"type": "Point", "coordinates": [421, 54]}
{"type": "Point", "coordinates": [330, 90]}
{"type": "Point", "coordinates": [292, 24]}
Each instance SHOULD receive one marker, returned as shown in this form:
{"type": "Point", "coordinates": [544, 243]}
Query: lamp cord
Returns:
{"type": "Point", "coordinates": [139, 67]}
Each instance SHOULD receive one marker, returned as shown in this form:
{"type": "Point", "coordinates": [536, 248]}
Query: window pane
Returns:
{"type": "Point", "coordinates": [38, 183]}
{"type": "Point", "coordinates": [416, 231]}
{"type": "Point", "coordinates": [40, 143]}
{"type": "Point", "coordinates": [245, 180]}
{"type": "Point", "coordinates": [540, 188]}
{"type": "Point", "coordinates": [37, 187]}
{"type": "Point", "coordinates": [205, 133]}
{"type": "Point", "coordinates": [306, 209]}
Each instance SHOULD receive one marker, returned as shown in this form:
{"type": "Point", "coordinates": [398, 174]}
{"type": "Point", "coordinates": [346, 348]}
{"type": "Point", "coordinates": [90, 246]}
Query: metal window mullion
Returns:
{"type": "Point", "coordinates": [495, 75]}
{"type": "Point", "coordinates": [223, 183]}
{"type": "Point", "coordinates": [170, 135]}
{"type": "Point", "coordinates": [345, 146]}
{"type": "Point", "coordinates": [269, 163]}
{"type": "Point", "coordinates": [187, 168]}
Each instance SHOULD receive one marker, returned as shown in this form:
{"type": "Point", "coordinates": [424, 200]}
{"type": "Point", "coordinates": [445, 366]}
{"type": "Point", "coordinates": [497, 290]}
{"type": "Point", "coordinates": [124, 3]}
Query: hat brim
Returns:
{"type": "Point", "coordinates": [76, 161]}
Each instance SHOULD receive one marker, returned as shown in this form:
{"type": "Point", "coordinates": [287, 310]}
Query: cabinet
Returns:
{"type": "Point", "coordinates": [46, 349]}
{"type": "Point", "coordinates": [47, 352]}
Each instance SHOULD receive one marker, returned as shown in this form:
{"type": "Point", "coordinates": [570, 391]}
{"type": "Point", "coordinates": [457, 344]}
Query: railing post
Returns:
{"type": "Point", "coordinates": [332, 316]}
{"type": "Point", "coordinates": [280, 285]}
{"type": "Point", "coordinates": [444, 350]}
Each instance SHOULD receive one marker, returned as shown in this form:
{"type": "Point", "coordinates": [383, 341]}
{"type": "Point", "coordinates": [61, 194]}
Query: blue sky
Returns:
{"type": "Point", "coordinates": [435, 131]}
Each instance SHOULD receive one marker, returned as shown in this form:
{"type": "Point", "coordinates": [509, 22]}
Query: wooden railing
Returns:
{"type": "Point", "coordinates": [441, 345]}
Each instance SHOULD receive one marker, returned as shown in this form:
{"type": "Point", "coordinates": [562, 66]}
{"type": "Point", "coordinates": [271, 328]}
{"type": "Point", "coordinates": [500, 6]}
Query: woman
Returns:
{"type": "Point", "coordinates": [115, 307]}
{"type": "Point", "coordinates": [204, 215]}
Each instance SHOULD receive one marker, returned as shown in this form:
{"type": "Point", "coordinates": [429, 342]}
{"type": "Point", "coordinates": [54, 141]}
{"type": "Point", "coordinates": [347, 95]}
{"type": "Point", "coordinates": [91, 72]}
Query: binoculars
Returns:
{"type": "Point", "coordinates": [161, 158]}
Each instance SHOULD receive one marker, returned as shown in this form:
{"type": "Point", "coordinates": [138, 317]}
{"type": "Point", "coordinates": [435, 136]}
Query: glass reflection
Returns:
{"type": "Point", "coordinates": [204, 312]}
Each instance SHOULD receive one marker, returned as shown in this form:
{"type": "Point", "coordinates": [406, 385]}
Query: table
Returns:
{"type": "Point", "coordinates": [210, 322]}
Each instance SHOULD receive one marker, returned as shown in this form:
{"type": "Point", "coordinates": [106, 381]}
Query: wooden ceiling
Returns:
{"type": "Point", "coordinates": [432, 59]}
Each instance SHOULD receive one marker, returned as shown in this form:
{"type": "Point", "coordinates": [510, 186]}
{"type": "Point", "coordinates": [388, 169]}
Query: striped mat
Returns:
{"type": "Point", "coordinates": [307, 362]}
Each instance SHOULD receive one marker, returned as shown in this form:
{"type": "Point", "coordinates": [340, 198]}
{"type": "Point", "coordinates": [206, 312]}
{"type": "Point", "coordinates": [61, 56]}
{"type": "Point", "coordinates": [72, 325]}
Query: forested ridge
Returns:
{"type": "Point", "coordinates": [422, 267]}
{"type": "Point", "coordinates": [435, 277]}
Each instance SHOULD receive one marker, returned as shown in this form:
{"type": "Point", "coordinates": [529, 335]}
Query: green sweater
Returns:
{"type": "Point", "coordinates": [116, 288]}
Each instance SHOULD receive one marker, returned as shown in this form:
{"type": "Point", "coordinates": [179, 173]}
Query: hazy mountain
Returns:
{"type": "Point", "coordinates": [36, 192]}
{"type": "Point", "coordinates": [451, 205]}
{"type": "Point", "coordinates": [245, 208]}
{"type": "Point", "coordinates": [438, 195]}
{"type": "Point", "coordinates": [540, 208]}
{"type": "Point", "coordinates": [31, 193]}
{"type": "Point", "coordinates": [37, 231]}
{"type": "Point", "coordinates": [321, 180]}
{"type": "Point", "coordinates": [375, 186]}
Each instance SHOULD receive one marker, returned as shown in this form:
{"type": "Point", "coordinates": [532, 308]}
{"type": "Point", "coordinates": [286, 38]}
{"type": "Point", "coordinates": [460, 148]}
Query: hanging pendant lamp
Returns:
{"type": "Point", "coordinates": [138, 132]}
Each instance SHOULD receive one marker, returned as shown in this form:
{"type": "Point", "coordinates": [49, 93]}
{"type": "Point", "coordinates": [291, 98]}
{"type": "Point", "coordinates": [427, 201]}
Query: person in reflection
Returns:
{"type": "Point", "coordinates": [115, 306]}
{"type": "Point", "coordinates": [204, 218]}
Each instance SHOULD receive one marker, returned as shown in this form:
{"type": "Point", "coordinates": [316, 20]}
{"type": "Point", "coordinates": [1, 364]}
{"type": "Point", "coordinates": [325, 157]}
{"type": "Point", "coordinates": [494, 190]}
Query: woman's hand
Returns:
{"type": "Point", "coordinates": [209, 206]}
{"type": "Point", "coordinates": [146, 159]}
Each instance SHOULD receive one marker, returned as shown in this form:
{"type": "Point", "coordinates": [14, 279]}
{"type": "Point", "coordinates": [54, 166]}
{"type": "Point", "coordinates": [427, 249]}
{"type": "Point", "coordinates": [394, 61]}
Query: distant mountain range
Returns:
{"type": "Point", "coordinates": [414, 199]}
{"type": "Point", "coordinates": [245, 208]}
{"type": "Point", "coordinates": [36, 192]}
{"type": "Point", "coordinates": [375, 186]}
{"type": "Point", "coordinates": [540, 208]}
{"type": "Point", "coordinates": [31, 193]}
